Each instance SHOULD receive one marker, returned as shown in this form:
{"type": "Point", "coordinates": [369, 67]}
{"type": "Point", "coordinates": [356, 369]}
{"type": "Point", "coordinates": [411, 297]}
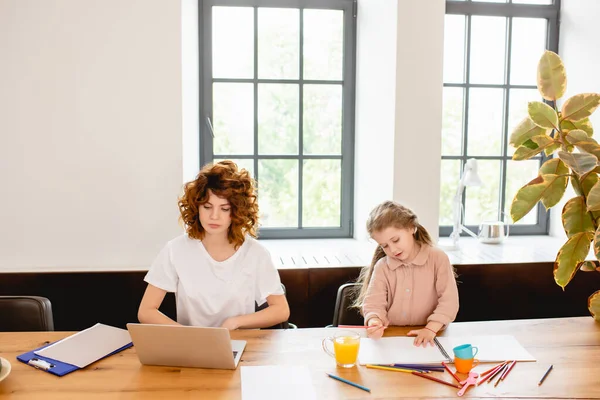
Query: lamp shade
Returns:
{"type": "Point", "coordinates": [470, 175]}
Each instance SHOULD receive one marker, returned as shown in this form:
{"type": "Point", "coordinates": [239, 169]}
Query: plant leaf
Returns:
{"type": "Point", "coordinates": [551, 149]}
{"type": "Point", "coordinates": [525, 130]}
{"type": "Point", "coordinates": [580, 163]}
{"type": "Point", "coordinates": [551, 76]}
{"type": "Point", "coordinates": [589, 266]}
{"type": "Point", "coordinates": [597, 243]}
{"type": "Point", "coordinates": [593, 198]}
{"type": "Point", "coordinates": [575, 218]}
{"type": "Point", "coordinates": [542, 115]}
{"type": "Point", "coordinates": [528, 196]}
{"type": "Point", "coordinates": [556, 190]}
{"type": "Point", "coordinates": [588, 182]}
{"type": "Point", "coordinates": [580, 106]}
{"type": "Point", "coordinates": [583, 142]}
{"type": "Point", "coordinates": [584, 124]}
{"type": "Point", "coordinates": [532, 147]}
{"type": "Point", "coordinates": [574, 251]}
{"type": "Point", "coordinates": [594, 305]}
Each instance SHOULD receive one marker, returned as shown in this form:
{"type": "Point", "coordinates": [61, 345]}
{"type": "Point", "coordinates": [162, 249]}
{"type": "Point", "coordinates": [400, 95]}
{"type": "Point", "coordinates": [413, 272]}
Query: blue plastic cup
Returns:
{"type": "Point", "coordinates": [465, 351]}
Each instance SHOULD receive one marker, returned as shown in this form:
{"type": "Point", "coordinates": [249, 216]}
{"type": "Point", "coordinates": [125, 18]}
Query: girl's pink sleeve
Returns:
{"type": "Point", "coordinates": [445, 285]}
{"type": "Point", "coordinates": [376, 300]}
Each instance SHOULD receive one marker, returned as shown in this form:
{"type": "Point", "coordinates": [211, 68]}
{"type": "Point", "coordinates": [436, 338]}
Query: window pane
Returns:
{"type": "Point", "coordinates": [518, 173]}
{"type": "Point", "coordinates": [233, 113]}
{"type": "Point", "coordinates": [278, 118]}
{"type": "Point", "coordinates": [278, 43]}
{"type": "Point", "coordinates": [448, 184]}
{"type": "Point", "coordinates": [452, 123]}
{"type": "Point", "coordinates": [454, 49]}
{"type": "Point", "coordinates": [278, 193]}
{"type": "Point", "coordinates": [482, 201]}
{"type": "Point", "coordinates": [528, 45]}
{"type": "Point", "coordinates": [533, 2]}
{"type": "Point", "coordinates": [321, 193]}
{"type": "Point", "coordinates": [488, 39]}
{"type": "Point", "coordinates": [322, 119]}
{"type": "Point", "coordinates": [485, 122]}
{"type": "Point", "coordinates": [233, 42]}
{"type": "Point", "coordinates": [241, 163]}
{"type": "Point", "coordinates": [517, 109]}
{"type": "Point", "coordinates": [323, 44]}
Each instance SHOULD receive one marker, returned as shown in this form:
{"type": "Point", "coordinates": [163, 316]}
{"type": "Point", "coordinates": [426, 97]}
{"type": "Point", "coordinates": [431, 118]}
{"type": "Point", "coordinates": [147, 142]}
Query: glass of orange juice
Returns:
{"type": "Point", "coordinates": [345, 348]}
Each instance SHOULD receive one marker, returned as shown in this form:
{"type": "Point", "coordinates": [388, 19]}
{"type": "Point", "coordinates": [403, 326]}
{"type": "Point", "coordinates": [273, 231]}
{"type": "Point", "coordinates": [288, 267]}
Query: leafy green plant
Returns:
{"type": "Point", "coordinates": [567, 134]}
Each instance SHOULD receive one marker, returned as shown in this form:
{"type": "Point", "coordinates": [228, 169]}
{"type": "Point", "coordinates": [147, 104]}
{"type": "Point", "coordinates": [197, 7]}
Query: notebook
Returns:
{"type": "Point", "coordinates": [401, 350]}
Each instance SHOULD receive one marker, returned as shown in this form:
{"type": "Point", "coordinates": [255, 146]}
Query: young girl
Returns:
{"type": "Point", "coordinates": [216, 269]}
{"type": "Point", "coordinates": [409, 281]}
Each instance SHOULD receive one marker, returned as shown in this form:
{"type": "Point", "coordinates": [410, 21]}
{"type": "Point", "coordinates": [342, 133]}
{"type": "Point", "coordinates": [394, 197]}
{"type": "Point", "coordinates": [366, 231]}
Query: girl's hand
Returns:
{"type": "Point", "coordinates": [423, 337]}
{"type": "Point", "coordinates": [231, 324]}
{"type": "Point", "coordinates": [375, 328]}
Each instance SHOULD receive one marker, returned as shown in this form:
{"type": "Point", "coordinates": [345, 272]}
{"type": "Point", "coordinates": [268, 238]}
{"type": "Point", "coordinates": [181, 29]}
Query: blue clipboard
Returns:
{"type": "Point", "coordinates": [55, 367]}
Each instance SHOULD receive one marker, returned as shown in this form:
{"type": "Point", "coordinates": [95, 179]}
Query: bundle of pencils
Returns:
{"type": "Point", "coordinates": [403, 368]}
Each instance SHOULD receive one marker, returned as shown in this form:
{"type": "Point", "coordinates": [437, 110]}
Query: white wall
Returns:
{"type": "Point", "coordinates": [90, 131]}
{"type": "Point", "coordinates": [400, 52]}
{"type": "Point", "coordinates": [580, 52]}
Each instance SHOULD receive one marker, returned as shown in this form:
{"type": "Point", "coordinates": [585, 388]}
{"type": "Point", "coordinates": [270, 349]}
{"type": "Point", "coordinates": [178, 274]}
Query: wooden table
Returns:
{"type": "Point", "coordinates": [571, 344]}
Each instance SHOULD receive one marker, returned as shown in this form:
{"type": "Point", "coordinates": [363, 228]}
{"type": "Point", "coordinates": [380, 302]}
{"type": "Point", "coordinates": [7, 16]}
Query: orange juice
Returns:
{"type": "Point", "coordinates": [346, 350]}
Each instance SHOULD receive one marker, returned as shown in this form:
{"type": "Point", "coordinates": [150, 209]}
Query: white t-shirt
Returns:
{"type": "Point", "coordinates": [208, 291]}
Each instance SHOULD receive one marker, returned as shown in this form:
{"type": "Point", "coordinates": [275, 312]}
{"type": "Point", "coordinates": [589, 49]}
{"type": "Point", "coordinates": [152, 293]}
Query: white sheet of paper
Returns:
{"type": "Point", "coordinates": [273, 382]}
{"type": "Point", "coordinates": [492, 348]}
{"type": "Point", "coordinates": [399, 350]}
{"type": "Point", "coordinates": [87, 346]}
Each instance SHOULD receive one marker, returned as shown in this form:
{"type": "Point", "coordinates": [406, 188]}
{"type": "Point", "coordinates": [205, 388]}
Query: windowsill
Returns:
{"type": "Point", "coordinates": [339, 253]}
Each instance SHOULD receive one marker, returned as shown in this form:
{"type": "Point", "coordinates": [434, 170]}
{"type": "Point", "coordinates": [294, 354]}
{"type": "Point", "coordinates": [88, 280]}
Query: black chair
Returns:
{"type": "Point", "coordinates": [343, 314]}
{"type": "Point", "coordinates": [25, 314]}
{"type": "Point", "coordinates": [282, 325]}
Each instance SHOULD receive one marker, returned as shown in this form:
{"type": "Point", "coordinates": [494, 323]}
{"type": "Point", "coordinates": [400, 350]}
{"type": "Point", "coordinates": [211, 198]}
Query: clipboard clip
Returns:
{"type": "Point", "coordinates": [40, 364]}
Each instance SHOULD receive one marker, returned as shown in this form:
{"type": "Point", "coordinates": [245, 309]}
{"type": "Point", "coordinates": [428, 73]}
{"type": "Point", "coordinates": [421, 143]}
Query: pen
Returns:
{"type": "Point", "coordinates": [356, 385]}
{"type": "Point", "coordinates": [545, 375]}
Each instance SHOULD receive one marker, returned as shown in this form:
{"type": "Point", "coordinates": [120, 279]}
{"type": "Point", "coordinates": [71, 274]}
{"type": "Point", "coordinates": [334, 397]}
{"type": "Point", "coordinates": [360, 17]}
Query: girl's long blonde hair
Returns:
{"type": "Point", "coordinates": [388, 214]}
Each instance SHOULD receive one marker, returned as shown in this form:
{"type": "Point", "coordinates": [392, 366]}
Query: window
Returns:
{"type": "Point", "coordinates": [491, 51]}
{"type": "Point", "coordinates": [278, 98]}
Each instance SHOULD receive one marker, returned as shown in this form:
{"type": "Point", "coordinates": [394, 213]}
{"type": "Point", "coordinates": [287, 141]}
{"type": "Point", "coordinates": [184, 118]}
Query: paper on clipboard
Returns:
{"type": "Point", "coordinates": [87, 346]}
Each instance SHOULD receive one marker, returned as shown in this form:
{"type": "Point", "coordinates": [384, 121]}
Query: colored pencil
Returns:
{"type": "Point", "coordinates": [403, 368]}
{"type": "Point", "coordinates": [545, 375]}
{"type": "Point", "coordinates": [498, 372]}
{"type": "Point", "coordinates": [456, 378]}
{"type": "Point", "coordinates": [493, 372]}
{"type": "Point", "coordinates": [389, 368]}
{"type": "Point", "coordinates": [483, 374]}
{"type": "Point", "coordinates": [437, 380]}
{"type": "Point", "coordinates": [512, 364]}
{"type": "Point", "coordinates": [421, 366]}
{"type": "Point", "coordinates": [356, 385]}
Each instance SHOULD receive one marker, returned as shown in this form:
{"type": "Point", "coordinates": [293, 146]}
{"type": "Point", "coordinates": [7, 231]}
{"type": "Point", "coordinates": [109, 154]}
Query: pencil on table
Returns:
{"type": "Point", "coordinates": [456, 378]}
{"type": "Point", "coordinates": [507, 368]}
{"type": "Point", "coordinates": [491, 374]}
{"type": "Point", "coordinates": [356, 385]}
{"type": "Point", "coordinates": [423, 371]}
{"type": "Point", "coordinates": [493, 369]}
{"type": "Point", "coordinates": [436, 380]}
{"type": "Point", "coordinates": [545, 375]}
{"type": "Point", "coordinates": [395, 369]}
{"type": "Point", "coordinates": [498, 373]}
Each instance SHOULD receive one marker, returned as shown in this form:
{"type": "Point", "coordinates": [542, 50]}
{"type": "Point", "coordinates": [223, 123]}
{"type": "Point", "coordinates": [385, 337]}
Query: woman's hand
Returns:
{"type": "Point", "coordinates": [375, 328]}
{"type": "Point", "coordinates": [231, 323]}
{"type": "Point", "coordinates": [423, 337]}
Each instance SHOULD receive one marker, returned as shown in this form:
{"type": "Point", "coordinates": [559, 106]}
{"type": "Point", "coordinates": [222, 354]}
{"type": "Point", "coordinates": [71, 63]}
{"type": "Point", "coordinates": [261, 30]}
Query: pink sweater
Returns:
{"type": "Point", "coordinates": [413, 294]}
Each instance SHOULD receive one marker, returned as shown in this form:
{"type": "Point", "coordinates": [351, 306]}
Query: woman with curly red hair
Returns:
{"type": "Point", "coordinates": [216, 269]}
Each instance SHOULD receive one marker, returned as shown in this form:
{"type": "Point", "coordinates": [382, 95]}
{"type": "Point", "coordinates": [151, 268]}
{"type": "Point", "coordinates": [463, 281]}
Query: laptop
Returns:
{"type": "Point", "coordinates": [186, 346]}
